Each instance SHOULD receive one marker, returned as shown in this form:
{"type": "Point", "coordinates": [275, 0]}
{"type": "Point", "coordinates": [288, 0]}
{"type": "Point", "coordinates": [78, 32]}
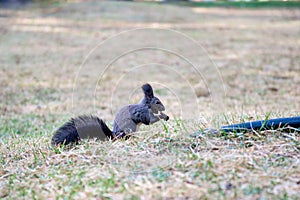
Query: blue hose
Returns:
{"type": "Point", "coordinates": [270, 124]}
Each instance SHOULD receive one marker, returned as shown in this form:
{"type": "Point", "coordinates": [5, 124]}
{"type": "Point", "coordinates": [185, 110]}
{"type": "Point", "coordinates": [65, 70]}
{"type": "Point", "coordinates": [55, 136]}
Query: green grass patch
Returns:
{"type": "Point", "coordinates": [242, 4]}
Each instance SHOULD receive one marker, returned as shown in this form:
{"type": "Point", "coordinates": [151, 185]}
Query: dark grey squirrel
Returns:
{"type": "Point", "coordinates": [127, 120]}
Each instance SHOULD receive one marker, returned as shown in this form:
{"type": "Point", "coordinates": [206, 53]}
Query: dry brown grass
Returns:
{"type": "Point", "coordinates": [256, 52]}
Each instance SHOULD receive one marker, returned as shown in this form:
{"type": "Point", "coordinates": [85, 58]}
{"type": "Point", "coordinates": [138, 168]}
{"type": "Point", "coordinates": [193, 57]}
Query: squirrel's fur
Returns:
{"type": "Point", "coordinates": [127, 119]}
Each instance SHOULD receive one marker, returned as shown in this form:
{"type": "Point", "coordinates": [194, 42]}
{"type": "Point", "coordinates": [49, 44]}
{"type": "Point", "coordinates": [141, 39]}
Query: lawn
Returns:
{"type": "Point", "coordinates": [209, 66]}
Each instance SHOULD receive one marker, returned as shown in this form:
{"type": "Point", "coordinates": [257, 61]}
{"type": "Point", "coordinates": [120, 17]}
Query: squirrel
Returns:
{"type": "Point", "coordinates": [127, 120]}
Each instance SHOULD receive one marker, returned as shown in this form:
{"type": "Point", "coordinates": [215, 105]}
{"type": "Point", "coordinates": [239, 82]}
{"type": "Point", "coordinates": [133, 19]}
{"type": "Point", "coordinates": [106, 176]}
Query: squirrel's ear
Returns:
{"type": "Point", "coordinates": [147, 90]}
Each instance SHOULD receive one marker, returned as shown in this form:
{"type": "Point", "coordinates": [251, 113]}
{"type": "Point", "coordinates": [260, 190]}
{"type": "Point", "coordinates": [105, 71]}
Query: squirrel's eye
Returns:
{"type": "Point", "coordinates": [157, 102]}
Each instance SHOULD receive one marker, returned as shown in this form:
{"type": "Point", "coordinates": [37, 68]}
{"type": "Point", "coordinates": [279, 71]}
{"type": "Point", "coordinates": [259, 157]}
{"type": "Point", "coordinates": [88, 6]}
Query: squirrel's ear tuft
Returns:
{"type": "Point", "coordinates": [148, 90]}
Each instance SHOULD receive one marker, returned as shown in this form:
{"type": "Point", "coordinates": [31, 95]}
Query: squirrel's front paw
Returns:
{"type": "Point", "coordinates": [167, 118]}
{"type": "Point", "coordinates": [163, 116]}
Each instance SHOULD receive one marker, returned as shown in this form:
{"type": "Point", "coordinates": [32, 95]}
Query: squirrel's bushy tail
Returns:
{"type": "Point", "coordinates": [81, 127]}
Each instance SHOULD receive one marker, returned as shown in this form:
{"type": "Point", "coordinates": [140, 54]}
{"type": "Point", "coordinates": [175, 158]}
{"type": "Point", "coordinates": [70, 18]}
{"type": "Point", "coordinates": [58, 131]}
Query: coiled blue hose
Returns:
{"type": "Point", "coordinates": [270, 124]}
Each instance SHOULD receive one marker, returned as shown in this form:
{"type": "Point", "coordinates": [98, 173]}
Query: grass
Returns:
{"type": "Point", "coordinates": [255, 51]}
{"type": "Point", "coordinates": [211, 166]}
{"type": "Point", "coordinates": [244, 4]}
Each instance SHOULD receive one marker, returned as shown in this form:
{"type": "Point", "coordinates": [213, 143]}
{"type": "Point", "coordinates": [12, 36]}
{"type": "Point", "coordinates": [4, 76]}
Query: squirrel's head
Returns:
{"type": "Point", "coordinates": [150, 100]}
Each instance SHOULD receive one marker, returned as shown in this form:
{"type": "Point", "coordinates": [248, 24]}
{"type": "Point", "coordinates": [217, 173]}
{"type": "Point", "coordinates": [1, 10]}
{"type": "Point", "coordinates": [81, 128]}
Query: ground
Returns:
{"type": "Point", "coordinates": [209, 66]}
